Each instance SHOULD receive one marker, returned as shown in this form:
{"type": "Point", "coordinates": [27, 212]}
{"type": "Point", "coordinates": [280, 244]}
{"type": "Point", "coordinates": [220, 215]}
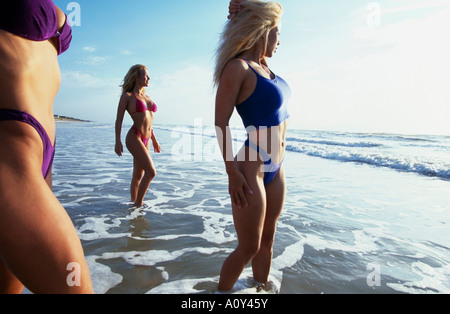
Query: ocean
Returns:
{"type": "Point", "coordinates": [364, 213]}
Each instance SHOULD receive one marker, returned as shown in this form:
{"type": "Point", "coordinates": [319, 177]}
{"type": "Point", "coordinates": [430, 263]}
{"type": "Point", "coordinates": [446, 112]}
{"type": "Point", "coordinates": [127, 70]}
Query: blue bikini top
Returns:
{"type": "Point", "coordinates": [267, 105]}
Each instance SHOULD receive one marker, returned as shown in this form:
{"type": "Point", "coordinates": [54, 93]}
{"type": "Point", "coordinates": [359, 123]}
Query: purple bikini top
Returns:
{"type": "Point", "coordinates": [35, 20]}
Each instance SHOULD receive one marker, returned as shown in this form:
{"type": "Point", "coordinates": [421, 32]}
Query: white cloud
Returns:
{"type": "Point", "coordinates": [416, 6]}
{"type": "Point", "coordinates": [400, 85]}
{"type": "Point", "coordinates": [184, 94]}
{"type": "Point", "coordinates": [93, 60]}
{"type": "Point", "coordinates": [429, 29]}
{"type": "Point", "coordinates": [89, 49]}
{"type": "Point", "coordinates": [79, 79]}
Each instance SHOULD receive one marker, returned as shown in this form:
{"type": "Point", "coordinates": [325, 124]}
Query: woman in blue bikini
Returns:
{"type": "Point", "coordinates": [256, 175]}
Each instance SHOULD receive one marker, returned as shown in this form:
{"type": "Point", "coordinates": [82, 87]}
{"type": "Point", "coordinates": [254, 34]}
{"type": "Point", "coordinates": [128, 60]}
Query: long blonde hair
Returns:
{"type": "Point", "coordinates": [254, 21]}
{"type": "Point", "coordinates": [130, 79]}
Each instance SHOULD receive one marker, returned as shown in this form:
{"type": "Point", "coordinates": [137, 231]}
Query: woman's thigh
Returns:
{"type": "Point", "coordinates": [37, 238]}
{"type": "Point", "coordinates": [38, 241]}
{"type": "Point", "coordinates": [140, 152]}
{"type": "Point", "coordinates": [275, 196]}
{"type": "Point", "coordinates": [249, 221]}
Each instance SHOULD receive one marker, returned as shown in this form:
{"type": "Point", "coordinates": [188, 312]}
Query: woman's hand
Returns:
{"type": "Point", "coordinates": [156, 147]}
{"type": "Point", "coordinates": [234, 8]}
{"type": "Point", "coordinates": [237, 187]}
{"type": "Point", "coordinates": [119, 148]}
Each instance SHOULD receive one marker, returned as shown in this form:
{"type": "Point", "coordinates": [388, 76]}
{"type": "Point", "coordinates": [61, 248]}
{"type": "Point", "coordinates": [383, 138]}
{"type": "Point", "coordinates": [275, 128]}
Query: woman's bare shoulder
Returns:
{"type": "Point", "coordinates": [237, 64]}
{"type": "Point", "coordinates": [235, 69]}
{"type": "Point", "coordinates": [126, 95]}
{"type": "Point", "coordinates": [125, 99]}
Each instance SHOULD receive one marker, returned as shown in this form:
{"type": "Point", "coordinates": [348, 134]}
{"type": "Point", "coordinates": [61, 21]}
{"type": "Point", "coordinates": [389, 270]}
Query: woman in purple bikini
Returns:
{"type": "Point", "coordinates": [142, 110]}
{"type": "Point", "coordinates": [39, 246]}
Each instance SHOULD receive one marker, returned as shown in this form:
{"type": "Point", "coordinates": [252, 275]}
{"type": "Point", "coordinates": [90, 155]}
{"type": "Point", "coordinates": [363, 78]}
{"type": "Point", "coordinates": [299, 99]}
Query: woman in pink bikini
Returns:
{"type": "Point", "coordinates": [142, 110]}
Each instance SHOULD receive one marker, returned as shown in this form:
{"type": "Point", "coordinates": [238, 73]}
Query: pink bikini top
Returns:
{"type": "Point", "coordinates": [142, 106]}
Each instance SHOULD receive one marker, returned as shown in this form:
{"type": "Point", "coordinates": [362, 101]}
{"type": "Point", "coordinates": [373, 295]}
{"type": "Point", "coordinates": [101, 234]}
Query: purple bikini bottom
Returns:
{"type": "Point", "coordinates": [49, 149]}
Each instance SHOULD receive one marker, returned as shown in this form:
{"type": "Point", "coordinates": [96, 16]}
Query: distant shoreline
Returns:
{"type": "Point", "coordinates": [68, 119]}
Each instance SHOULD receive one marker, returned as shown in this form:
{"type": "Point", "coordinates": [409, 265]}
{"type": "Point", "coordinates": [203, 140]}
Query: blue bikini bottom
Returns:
{"type": "Point", "coordinates": [270, 168]}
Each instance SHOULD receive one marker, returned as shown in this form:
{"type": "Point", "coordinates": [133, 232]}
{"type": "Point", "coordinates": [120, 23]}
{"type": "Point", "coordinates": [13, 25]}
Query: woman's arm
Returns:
{"type": "Point", "coordinates": [226, 98]}
{"type": "Point", "coordinates": [156, 146]}
{"type": "Point", "coordinates": [120, 114]}
{"type": "Point", "coordinates": [234, 8]}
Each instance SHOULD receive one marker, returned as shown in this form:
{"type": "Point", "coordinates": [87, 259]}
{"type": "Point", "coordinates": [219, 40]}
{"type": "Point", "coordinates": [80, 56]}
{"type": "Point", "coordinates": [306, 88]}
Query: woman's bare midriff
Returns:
{"type": "Point", "coordinates": [143, 121]}
{"type": "Point", "coordinates": [29, 78]}
{"type": "Point", "coordinates": [272, 140]}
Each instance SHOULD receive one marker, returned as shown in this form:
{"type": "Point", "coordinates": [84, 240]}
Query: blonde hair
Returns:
{"type": "Point", "coordinates": [130, 79]}
{"type": "Point", "coordinates": [254, 21]}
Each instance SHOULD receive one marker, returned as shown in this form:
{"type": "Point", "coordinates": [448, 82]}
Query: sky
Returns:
{"type": "Point", "coordinates": [353, 65]}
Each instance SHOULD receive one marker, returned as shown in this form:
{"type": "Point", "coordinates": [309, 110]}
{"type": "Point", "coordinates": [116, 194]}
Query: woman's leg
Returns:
{"type": "Point", "coordinates": [248, 222]}
{"type": "Point", "coordinates": [38, 241]}
{"type": "Point", "coordinates": [142, 160]}
{"type": "Point", "coordinates": [135, 180]}
{"type": "Point", "coordinates": [9, 284]}
{"type": "Point", "coordinates": [275, 194]}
